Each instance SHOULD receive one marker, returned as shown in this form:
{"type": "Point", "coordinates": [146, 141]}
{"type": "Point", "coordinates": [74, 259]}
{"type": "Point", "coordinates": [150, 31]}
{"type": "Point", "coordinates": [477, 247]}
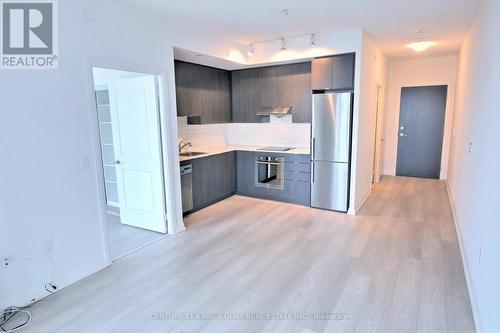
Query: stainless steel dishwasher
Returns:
{"type": "Point", "coordinates": [187, 187]}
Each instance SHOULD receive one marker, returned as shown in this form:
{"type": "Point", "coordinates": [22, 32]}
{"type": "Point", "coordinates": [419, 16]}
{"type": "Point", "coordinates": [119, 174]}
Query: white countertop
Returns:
{"type": "Point", "coordinates": [224, 149]}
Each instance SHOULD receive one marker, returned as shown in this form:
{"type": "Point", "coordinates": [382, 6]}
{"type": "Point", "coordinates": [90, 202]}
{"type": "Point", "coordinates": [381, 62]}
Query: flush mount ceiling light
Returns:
{"type": "Point", "coordinates": [421, 46]}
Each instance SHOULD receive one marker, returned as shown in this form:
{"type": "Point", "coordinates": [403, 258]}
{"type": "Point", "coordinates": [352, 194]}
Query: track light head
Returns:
{"type": "Point", "coordinates": [250, 49]}
{"type": "Point", "coordinates": [313, 40]}
{"type": "Point", "coordinates": [283, 44]}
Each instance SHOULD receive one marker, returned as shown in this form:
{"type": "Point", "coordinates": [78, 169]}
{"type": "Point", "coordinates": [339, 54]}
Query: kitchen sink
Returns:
{"type": "Point", "coordinates": [191, 153]}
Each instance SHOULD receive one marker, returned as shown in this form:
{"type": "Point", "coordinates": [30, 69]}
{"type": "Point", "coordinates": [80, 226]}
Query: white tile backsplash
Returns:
{"type": "Point", "coordinates": [286, 119]}
{"type": "Point", "coordinates": [281, 134]}
{"type": "Point", "coordinates": [269, 134]}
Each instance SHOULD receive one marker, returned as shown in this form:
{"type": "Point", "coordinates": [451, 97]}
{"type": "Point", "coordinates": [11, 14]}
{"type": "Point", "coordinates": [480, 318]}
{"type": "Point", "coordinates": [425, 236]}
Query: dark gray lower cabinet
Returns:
{"type": "Point", "coordinates": [219, 176]}
{"type": "Point", "coordinates": [213, 178]}
{"type": "Point", "coordinates": [297, 172]}
{"type": "Point", "coordinates": [245, 172]}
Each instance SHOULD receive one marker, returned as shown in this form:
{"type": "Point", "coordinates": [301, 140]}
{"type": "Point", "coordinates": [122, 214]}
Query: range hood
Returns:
{"type": "Point", "coordinates": [278, 111]}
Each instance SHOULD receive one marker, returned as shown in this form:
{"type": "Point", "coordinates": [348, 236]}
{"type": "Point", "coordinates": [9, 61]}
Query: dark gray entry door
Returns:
{"type": "Point", "coordinates": [421, 124]}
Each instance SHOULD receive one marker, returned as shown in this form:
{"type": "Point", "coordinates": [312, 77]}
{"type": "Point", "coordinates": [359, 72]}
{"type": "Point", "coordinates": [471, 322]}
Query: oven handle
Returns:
{"type": "Point", "coordinates": [273, 163]}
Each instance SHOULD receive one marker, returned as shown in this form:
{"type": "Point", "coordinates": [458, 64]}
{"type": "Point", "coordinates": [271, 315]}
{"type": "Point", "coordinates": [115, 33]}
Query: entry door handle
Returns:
{"type": "Point", "coordinates": [118, 162]}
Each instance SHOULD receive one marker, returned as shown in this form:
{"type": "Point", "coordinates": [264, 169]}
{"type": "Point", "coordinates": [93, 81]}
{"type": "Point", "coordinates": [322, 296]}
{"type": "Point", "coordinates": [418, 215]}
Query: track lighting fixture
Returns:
{"type": "Point", "coordinates": [283, 40]}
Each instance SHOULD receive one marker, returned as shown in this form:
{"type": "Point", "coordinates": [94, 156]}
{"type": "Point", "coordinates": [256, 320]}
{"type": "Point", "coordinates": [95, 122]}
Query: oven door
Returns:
{"type": "Point", "coordinates": [269, 172]}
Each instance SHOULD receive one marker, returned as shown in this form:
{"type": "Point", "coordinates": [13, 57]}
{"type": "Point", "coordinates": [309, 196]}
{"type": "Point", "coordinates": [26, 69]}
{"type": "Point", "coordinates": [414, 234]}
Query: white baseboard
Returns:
{"type": "Point", "coordinates": [112, 213]}
{"type": "Point", "coordinates": [475, 313]}
{"type": "Point", "coordinates": [60, 286]}
{"type": "Point", "coordinates": [356, 209]}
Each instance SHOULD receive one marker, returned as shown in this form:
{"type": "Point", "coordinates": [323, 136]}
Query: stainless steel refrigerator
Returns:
{"type": "Point", "coordinates": [330, 150]}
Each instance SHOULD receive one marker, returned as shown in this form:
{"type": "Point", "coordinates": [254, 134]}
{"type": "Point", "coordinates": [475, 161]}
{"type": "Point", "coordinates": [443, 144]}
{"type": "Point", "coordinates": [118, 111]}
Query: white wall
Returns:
{"type": "Point", "coordinates": [371, 74]}
{"type": "Point", "coordinates": [49, 179]}
{"type": "Point", "coordinates": [474, 178]}
{"type": "Point", "coordinates": [416, 72]}
{"type": "Point", "coordinates": [49, 191]}
{"type": "Point", "coordinates": [49, 194]}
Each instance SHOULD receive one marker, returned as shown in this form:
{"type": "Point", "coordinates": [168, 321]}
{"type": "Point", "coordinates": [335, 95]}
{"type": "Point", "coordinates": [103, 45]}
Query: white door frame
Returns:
{"type": "Point", "coordinates": [168, 134]}
{"type": "Point", "coordinates": [379, 121]}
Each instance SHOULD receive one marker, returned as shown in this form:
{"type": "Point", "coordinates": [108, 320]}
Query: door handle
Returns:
{"type": "Point", "coordinates": [118, 162]}
{"type": "Point", "coordinates": [402, 134]}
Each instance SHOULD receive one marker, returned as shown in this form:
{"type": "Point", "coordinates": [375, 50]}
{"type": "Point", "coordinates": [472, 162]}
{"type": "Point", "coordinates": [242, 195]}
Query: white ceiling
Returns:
{"type": "Point", "coordinates": [392, 23]}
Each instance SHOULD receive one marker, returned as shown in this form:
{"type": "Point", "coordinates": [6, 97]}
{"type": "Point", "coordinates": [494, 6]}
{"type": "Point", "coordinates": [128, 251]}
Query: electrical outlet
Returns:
{"type": "Point", "coordinates": [49, 246]}
{"type": "Point", "coordinates": [480, 259]}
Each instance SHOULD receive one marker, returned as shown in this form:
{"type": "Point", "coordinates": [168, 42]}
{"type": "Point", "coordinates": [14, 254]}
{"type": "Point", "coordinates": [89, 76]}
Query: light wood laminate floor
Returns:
{"type": "Point", "coordinates": [124, 239]}
{"type": "Point", "coordinates": [395, 267]}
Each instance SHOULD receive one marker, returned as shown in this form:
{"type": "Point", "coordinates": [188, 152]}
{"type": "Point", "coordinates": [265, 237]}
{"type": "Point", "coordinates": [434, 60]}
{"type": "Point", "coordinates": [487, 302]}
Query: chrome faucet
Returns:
{"type": "Point", "coordinates": [182, 145]}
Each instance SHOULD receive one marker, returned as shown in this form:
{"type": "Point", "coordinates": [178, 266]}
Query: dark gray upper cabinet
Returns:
{"type": "Point", "coordinates": [284, 85]}
{"type": "Point", "coordinates": [218, 96]}
{"type": "Point", "coordinates": [246, 95]}
{"type": "Point", "coordinates": [284, 78]}
{"type": "Point", "coordinates": [321, 73]}
{"type": "Point", "coordinates": [301, 92]}
{"type": "Point", "coordinates": [222, 99]}
{"type": "Point", "coordinates": [203, 91]}
{"type": "Point", "coordinates": [269, 87]}
{"type": "Point", "coordinates": [336, 72]}
{"type": "Point", "coordinates": [180, 88]}
{"type": "Point", "coordinates": [277, 85]}
{"type": "Point", "coordinates": [343, 72]}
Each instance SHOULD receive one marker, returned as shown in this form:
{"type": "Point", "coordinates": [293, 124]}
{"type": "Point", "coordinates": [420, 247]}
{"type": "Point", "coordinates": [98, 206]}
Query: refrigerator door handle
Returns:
{"type": "Point", "coordinates": [312, 172]}
{"type": "Point", "coordinates": [313, 146]}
